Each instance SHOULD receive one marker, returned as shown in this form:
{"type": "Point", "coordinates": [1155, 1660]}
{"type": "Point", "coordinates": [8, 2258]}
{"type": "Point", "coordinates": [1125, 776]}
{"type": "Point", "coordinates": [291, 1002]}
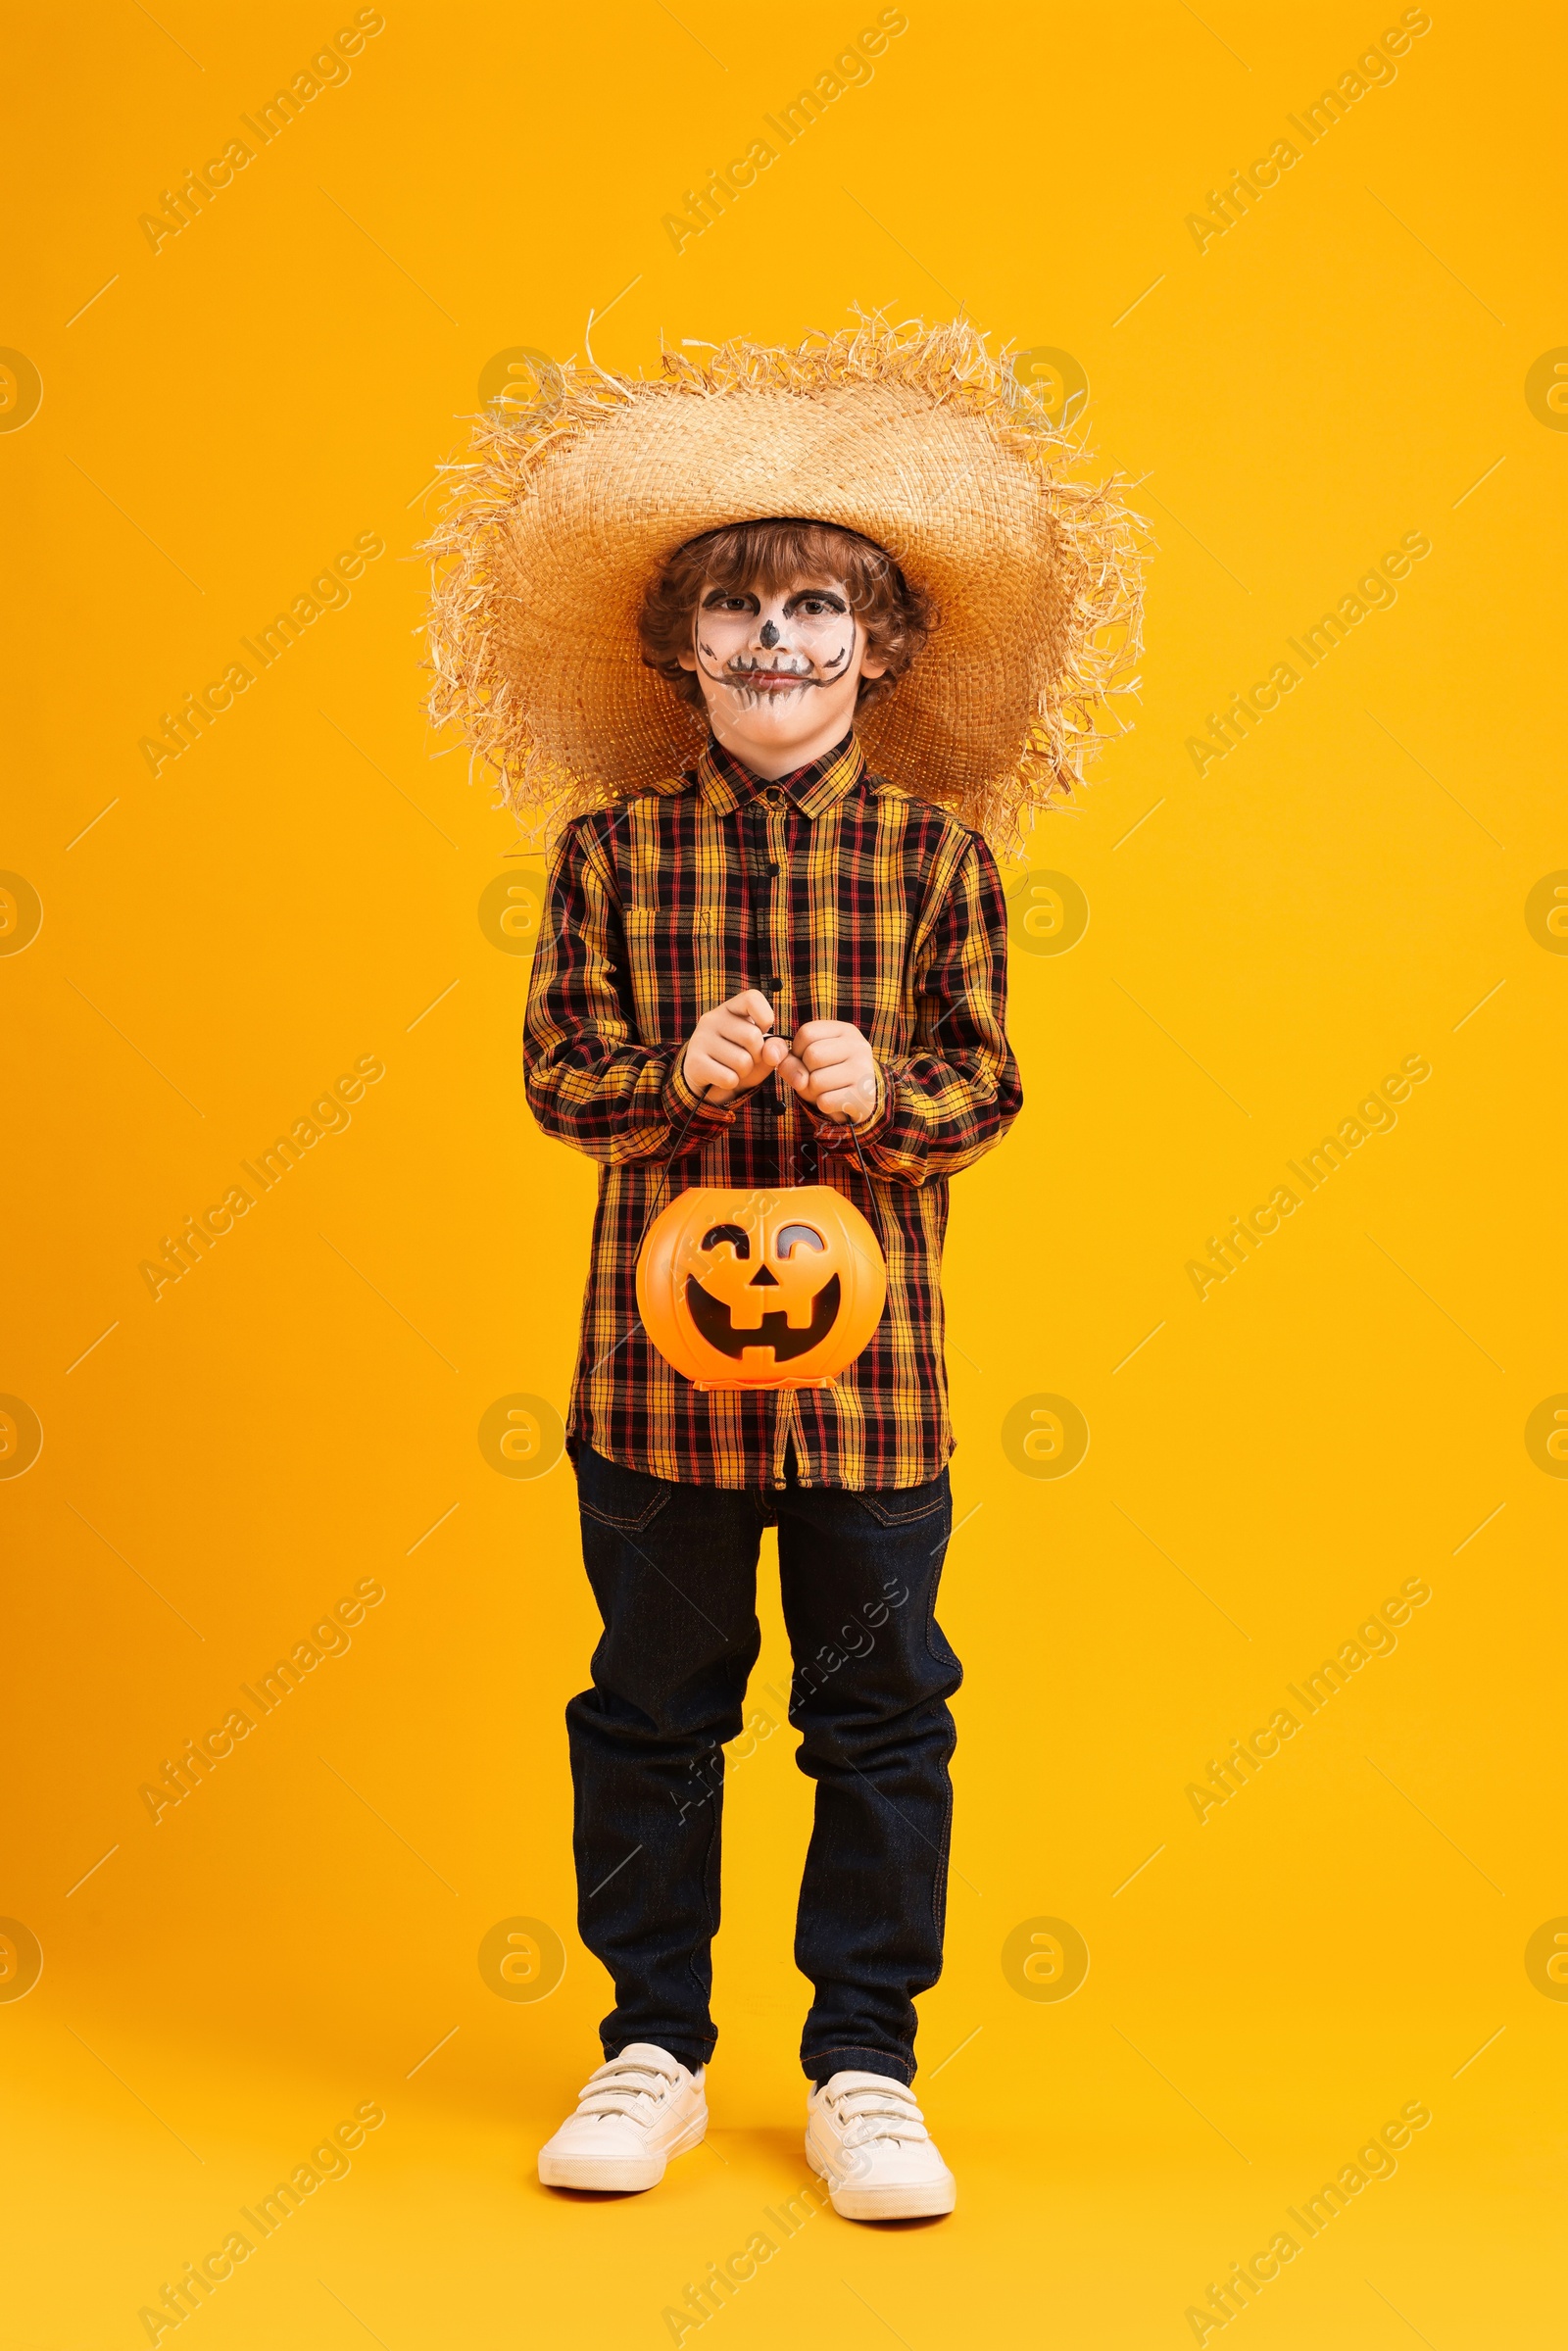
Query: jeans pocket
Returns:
{"type": "Point", "coordinates": [906, 1506]}
{"type": "Point", "coordinates": [627, 1500]}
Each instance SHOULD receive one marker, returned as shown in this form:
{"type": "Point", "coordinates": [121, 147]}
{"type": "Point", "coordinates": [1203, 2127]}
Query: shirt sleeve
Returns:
{"type": "Point", "coordinates": [590, 1082]}
{"type": "Point", "coordinates": [943, 1106]}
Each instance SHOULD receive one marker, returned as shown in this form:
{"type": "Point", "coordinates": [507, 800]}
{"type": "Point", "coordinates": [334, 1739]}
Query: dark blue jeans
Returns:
{"type": "Point", "coordinates": [673, 1569]}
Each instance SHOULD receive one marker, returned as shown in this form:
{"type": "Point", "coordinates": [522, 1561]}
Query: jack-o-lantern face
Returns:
{"type": "Point", "coordinates": [748, 1302]}
{"type": "Point", "coordinates": [760, 1289]}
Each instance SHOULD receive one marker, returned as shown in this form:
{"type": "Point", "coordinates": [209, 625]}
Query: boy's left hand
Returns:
{"type": "Point", "coordinates": [830, 1065]}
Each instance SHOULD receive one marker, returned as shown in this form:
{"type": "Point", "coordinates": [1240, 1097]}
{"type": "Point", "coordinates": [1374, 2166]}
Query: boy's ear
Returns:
{"type": "Point", "coordinates": [686, 658]}
{"type": "Point", "coordinates": [872, 664]}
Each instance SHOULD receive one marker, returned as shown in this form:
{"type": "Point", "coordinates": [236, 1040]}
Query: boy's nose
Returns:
{"type": "Point", "coordinates": [769, 637]}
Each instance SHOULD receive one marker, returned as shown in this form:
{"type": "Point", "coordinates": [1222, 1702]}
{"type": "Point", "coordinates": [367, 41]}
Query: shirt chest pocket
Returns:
{"type": "Point", "coordinates": [681, 961]}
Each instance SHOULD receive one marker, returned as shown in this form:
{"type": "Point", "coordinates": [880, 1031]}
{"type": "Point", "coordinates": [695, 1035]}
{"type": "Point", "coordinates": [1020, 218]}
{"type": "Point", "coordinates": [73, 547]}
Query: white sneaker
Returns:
{"type": "Point", "coordinates": [867, 2136]}
{"type": "Point", "coordinates": [633, 2114]}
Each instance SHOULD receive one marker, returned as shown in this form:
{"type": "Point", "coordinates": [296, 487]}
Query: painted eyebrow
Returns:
{"type": "Point", "coordinates": [818, 595]}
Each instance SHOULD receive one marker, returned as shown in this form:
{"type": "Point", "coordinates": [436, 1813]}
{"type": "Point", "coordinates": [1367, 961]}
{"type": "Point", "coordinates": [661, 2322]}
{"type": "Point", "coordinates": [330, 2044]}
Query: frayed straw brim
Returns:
{"type": "Point", "coordinates": [914, 437]}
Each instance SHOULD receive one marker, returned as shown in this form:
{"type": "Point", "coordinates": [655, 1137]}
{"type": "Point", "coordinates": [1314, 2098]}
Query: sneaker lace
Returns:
{"type": "Point", "coordinates": [628, 2085]}
{"type": "Point", "coordinates": [886, 2112]}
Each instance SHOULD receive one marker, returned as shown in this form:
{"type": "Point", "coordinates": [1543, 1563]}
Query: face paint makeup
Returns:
{"type": "Point", "coordinates": [780, 669]}
{"type": "Point", "coordinates": [798, 649]}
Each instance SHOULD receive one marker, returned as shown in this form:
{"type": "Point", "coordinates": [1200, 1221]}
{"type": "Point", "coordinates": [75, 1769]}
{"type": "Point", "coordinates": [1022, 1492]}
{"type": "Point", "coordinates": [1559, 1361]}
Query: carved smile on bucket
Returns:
{"type": "Point", "coordinates": [717, 1322]}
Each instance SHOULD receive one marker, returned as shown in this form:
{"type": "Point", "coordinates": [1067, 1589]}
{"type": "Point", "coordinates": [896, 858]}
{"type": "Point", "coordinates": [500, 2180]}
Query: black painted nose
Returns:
{"type": "Point", "coordinates": [769, 635]}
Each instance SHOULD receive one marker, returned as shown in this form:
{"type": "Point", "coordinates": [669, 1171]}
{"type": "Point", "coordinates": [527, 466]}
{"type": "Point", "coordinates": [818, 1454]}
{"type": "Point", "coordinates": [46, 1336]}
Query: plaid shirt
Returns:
{"type": "Point", "coordinates": [842, 897]}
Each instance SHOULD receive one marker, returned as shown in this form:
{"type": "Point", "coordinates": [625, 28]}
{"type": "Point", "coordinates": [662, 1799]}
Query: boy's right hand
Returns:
{"type": "Point", "coordinates": [731, 1049]}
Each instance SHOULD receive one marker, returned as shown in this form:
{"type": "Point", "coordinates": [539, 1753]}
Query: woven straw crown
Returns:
{"type": "Point", "coordinates": [914, 437]}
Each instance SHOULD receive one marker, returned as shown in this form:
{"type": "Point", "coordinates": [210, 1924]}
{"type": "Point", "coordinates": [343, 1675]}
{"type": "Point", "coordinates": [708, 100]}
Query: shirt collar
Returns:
{"type": "Point", "coordinates": [726, 785]}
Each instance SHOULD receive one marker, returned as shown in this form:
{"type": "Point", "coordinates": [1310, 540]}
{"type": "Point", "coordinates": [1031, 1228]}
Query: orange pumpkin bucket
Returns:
{"type": "Point", "coordinates": [760, 1289]}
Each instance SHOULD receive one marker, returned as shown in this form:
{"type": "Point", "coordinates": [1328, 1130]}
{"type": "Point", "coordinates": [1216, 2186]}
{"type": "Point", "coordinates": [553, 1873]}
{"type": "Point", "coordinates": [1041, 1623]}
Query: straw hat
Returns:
{"type": "Point", "coordinates": [914, 437]}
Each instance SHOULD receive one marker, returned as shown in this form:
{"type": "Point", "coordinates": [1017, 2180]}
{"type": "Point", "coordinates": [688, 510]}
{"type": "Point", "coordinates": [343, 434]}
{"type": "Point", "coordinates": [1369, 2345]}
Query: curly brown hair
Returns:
{"type": "Point", "coordinates": [896, 616]}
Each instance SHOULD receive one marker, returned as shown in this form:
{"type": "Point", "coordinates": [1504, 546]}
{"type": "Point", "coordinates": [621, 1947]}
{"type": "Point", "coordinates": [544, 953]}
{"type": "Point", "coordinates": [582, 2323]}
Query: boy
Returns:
{"type": "Point", "coordinates": [857, 993]}
{"type": "Point", "coordinates": [774, 967]}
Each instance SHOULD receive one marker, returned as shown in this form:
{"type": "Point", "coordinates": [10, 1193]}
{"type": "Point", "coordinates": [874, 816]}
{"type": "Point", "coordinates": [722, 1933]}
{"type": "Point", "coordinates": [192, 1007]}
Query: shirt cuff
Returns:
{"type": "Point", "coordinates": [685, 1110]}
{"type": "Point", "coordinates": [833, 1136]}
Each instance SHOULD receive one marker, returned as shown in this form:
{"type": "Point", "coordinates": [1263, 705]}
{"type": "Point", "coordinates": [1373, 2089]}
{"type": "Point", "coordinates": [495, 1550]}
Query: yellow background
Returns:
{"type": "Point", "coordinates": [300, 887]}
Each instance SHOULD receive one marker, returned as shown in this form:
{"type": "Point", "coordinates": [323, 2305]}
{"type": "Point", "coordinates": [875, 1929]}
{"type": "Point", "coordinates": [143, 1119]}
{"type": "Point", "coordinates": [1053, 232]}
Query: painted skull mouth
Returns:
{"type": "Point", "coordinates": [715, 1323]}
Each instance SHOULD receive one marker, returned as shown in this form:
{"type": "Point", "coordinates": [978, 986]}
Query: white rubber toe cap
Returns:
{"type": "Point", "coordinates": [635, 2115]}
{"type": "Point", "coordinates": [867, 2139]}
